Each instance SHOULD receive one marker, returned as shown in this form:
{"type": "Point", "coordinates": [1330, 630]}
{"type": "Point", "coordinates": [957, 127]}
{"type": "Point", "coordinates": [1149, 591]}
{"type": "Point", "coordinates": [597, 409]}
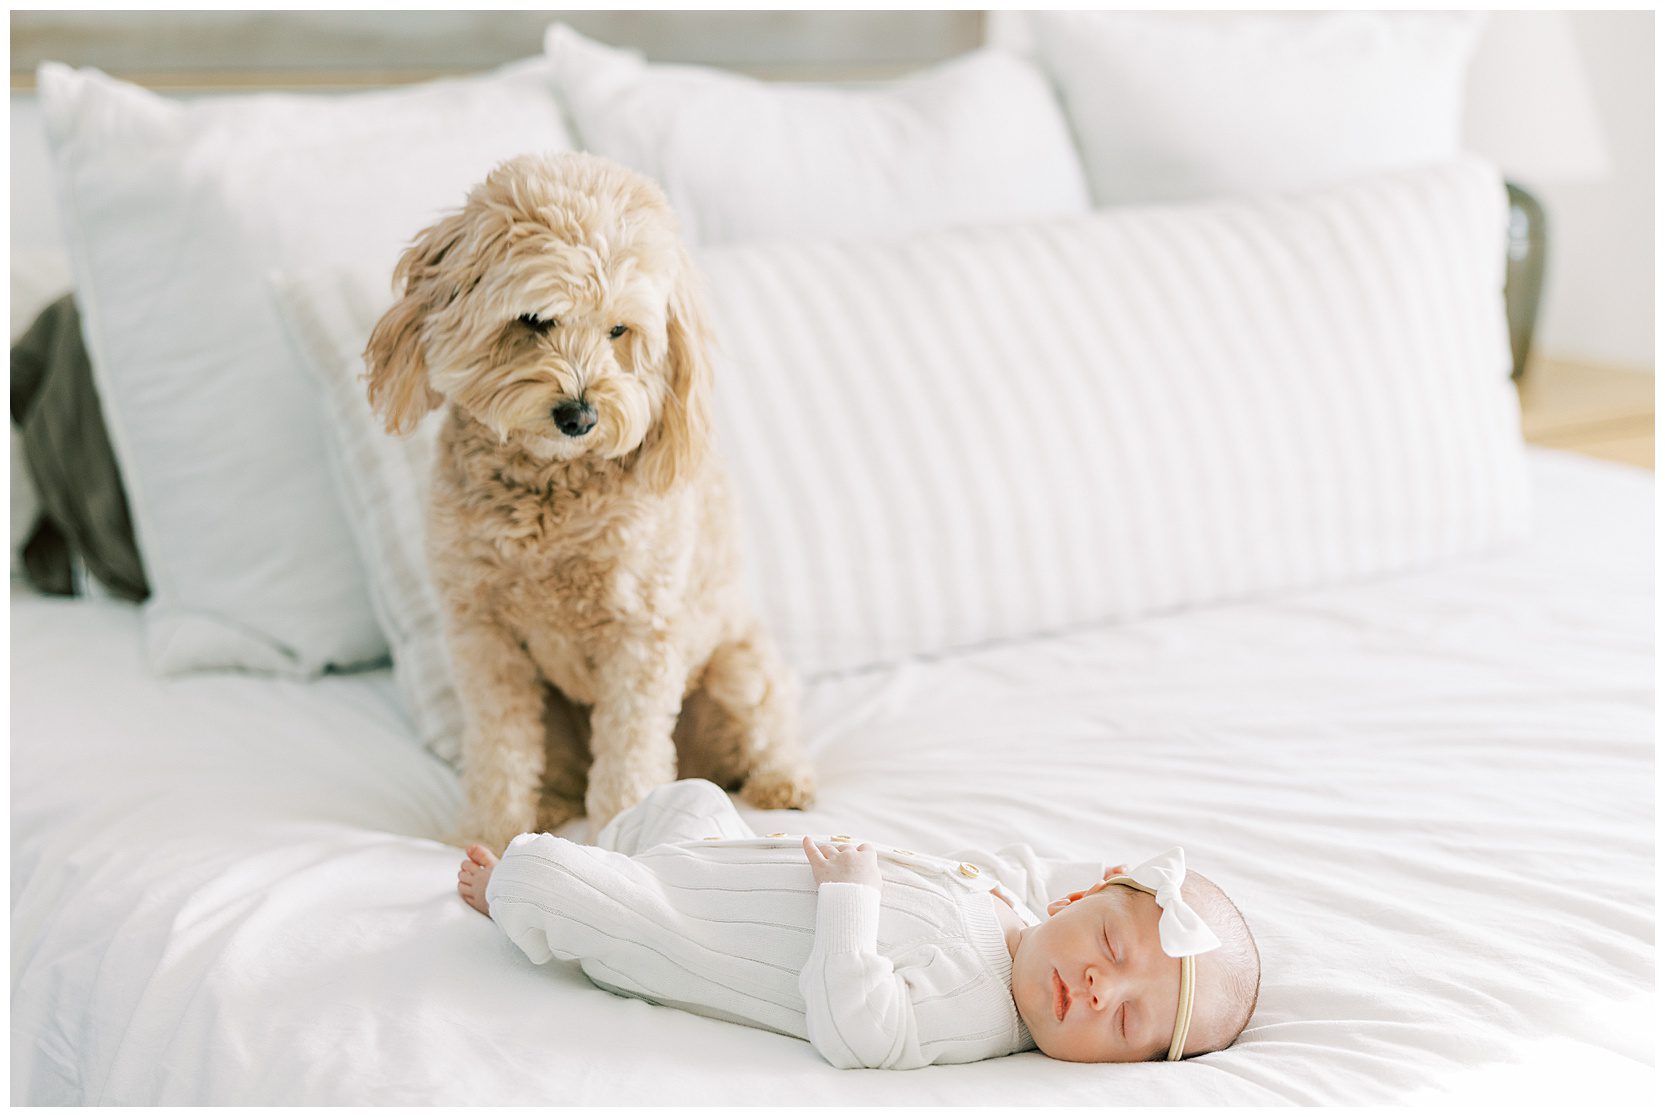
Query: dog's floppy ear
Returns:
{"type": "Point", "coordinates": [395, 365]}
{"type": "Point", "coordinates": [677, 444]}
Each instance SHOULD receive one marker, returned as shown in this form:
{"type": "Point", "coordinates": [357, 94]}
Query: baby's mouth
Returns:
{"type": "Point", "coordinates": [1060, 997]}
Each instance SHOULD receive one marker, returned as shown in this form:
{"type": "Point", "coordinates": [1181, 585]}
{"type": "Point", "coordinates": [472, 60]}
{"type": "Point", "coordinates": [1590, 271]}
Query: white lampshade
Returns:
{"type": "Point", "coordinates": [1530, 109]}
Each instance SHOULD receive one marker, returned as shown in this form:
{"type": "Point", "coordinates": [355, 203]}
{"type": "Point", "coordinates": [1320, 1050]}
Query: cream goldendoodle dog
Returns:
{"type": "Point", "coordinates": [580, 533]}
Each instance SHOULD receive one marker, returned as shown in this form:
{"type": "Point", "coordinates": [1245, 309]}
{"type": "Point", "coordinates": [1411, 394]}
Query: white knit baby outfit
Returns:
{"type": "Point", "coordinates": [679, 903]}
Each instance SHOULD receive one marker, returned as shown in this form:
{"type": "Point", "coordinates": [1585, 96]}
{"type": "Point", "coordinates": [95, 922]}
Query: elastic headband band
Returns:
{"type": "Point", "coordinates": [1182, 1016]}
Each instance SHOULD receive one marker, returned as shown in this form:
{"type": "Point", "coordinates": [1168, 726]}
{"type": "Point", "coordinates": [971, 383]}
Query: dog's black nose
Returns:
{"type": "Point", "coordinates": [574, 418]}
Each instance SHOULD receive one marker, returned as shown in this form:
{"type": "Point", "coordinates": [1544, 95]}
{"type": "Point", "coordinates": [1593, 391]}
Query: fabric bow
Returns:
{"type": "Point", "coordinates": [1182, 930]}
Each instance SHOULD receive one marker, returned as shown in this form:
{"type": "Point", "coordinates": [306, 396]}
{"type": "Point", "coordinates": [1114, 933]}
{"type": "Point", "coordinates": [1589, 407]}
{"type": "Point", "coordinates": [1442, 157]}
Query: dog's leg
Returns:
{"type": "Point", "coordinates": [502, 694]}
{"type": "Point", "coordinates": [747, 678]}
{"type": "Point", "coordinates": [638, 694]}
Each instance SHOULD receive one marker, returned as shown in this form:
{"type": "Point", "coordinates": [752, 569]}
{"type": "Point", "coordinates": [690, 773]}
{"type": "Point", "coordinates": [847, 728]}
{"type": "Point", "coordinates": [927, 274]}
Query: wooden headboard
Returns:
{"type": "Point", "coordinates": [206, 51]}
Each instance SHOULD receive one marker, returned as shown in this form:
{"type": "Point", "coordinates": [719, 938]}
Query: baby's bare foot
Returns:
{"type": "Point", "coordinates": [474, 875]}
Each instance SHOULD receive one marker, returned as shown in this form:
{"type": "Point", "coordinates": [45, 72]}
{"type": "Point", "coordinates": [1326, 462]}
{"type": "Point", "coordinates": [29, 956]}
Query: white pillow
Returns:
{"type": "Point", "coordinates": [991, 433]}
{"type": "Point", "coordinates": [175, 212]}
{"type": "Point", "coordinates": [40, 277]}
{"type": "Point", "coordinates": [980, 138]}
{"type": "Point", "coordinates": [1169, 106]}
{"type": "Point", "coordinates": [383, 483]}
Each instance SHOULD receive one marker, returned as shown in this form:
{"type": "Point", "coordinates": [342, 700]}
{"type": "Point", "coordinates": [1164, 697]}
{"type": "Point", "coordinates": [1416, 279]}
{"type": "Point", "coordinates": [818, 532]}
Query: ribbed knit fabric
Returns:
{"type": "Point", "coordinates": [680, 904]}
{"type": "Point", "coordinates": [999, 430]}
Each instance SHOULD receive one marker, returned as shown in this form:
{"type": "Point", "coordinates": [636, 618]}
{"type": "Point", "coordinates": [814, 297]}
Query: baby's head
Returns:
{"type": "Point", "coordinates": [1093, 983]}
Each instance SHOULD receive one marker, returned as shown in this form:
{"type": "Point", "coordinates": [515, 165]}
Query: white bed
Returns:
{"type": "Point", "coordinates": [1431, 794]}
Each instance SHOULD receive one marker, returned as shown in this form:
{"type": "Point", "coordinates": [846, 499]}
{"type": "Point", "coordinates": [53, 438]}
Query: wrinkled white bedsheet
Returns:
{"type": "Point", "coordinates": [1432, 795]}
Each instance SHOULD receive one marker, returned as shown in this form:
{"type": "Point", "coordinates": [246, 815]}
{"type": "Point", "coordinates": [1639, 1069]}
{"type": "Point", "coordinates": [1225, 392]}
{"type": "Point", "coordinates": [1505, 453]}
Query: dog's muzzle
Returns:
{"type": "Point", "coordinates": [574, 418]}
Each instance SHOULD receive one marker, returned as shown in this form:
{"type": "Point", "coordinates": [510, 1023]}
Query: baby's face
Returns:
{"type": "Point", "coordinates": [1092, 983]}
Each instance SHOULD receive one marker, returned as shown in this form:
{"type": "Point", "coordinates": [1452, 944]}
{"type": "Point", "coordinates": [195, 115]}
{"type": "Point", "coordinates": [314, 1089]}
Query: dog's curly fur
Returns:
{"type": "Point", "coordinates": [606, 561]}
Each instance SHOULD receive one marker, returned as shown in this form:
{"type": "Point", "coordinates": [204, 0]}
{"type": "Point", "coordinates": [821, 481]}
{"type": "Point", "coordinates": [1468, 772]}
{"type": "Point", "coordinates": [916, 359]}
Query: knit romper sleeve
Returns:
{"type": "Point", "coordinates": [858, 1009]}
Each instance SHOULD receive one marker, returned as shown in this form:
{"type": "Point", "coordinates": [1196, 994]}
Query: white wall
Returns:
{"type": "Point", "coordinates": [1599, 293]}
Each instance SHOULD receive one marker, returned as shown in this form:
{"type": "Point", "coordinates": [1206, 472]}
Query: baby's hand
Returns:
{"type": "Point", "coordinates": [1057, 906]}
{"type": "Point", "coordinates": [839, 864]}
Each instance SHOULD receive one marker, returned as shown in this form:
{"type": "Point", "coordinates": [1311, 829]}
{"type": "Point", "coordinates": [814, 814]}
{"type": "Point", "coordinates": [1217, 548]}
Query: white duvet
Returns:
{"type": "Point", "coordinates": [1432, 796]}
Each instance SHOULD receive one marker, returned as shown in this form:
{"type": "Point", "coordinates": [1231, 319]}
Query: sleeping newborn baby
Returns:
{"type": "Point", "coordinates": [880, 957]}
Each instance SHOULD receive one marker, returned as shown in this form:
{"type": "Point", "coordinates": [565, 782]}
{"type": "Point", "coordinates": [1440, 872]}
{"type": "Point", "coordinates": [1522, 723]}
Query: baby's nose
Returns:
{"type": "Point", "coordinates": [1097, 990]}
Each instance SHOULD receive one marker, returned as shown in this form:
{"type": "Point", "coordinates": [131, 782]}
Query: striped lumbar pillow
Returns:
{"type": "Point", "coordinates": [1001, 431]}
{"type": "Point", "coordinates": [1006, 430]}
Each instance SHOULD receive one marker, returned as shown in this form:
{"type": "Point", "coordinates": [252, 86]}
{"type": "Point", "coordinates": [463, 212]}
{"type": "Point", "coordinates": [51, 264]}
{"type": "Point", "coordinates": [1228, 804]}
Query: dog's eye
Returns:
{"type": "Point", "coordinates": [618, 331]}
{"type": "Point", "coordinates": [532, 321]}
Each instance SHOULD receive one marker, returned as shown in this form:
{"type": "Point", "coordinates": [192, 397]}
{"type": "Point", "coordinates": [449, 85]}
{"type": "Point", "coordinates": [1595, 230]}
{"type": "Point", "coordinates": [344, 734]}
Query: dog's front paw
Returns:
{"type": "Point", "coordinates": [773, 789]}
{"type": "Point", "coordinates": [610, 796]}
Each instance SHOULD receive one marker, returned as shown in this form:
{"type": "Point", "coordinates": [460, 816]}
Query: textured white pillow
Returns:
{"type": "Point", "coordinates": [383, 483]}
{"type": "Point", "coordinates": [1169, 106]}
{"type": "Point", "coordinates": [175, 212]}
{"type": "Point", "coordinates": [990, 433]}
{"type": "Point", "coordinates": [980, 138]}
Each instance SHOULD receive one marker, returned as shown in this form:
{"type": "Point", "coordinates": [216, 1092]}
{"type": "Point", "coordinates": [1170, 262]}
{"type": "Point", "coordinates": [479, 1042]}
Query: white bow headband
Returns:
{"type": "Point", "coordinates": [1182, 930]}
